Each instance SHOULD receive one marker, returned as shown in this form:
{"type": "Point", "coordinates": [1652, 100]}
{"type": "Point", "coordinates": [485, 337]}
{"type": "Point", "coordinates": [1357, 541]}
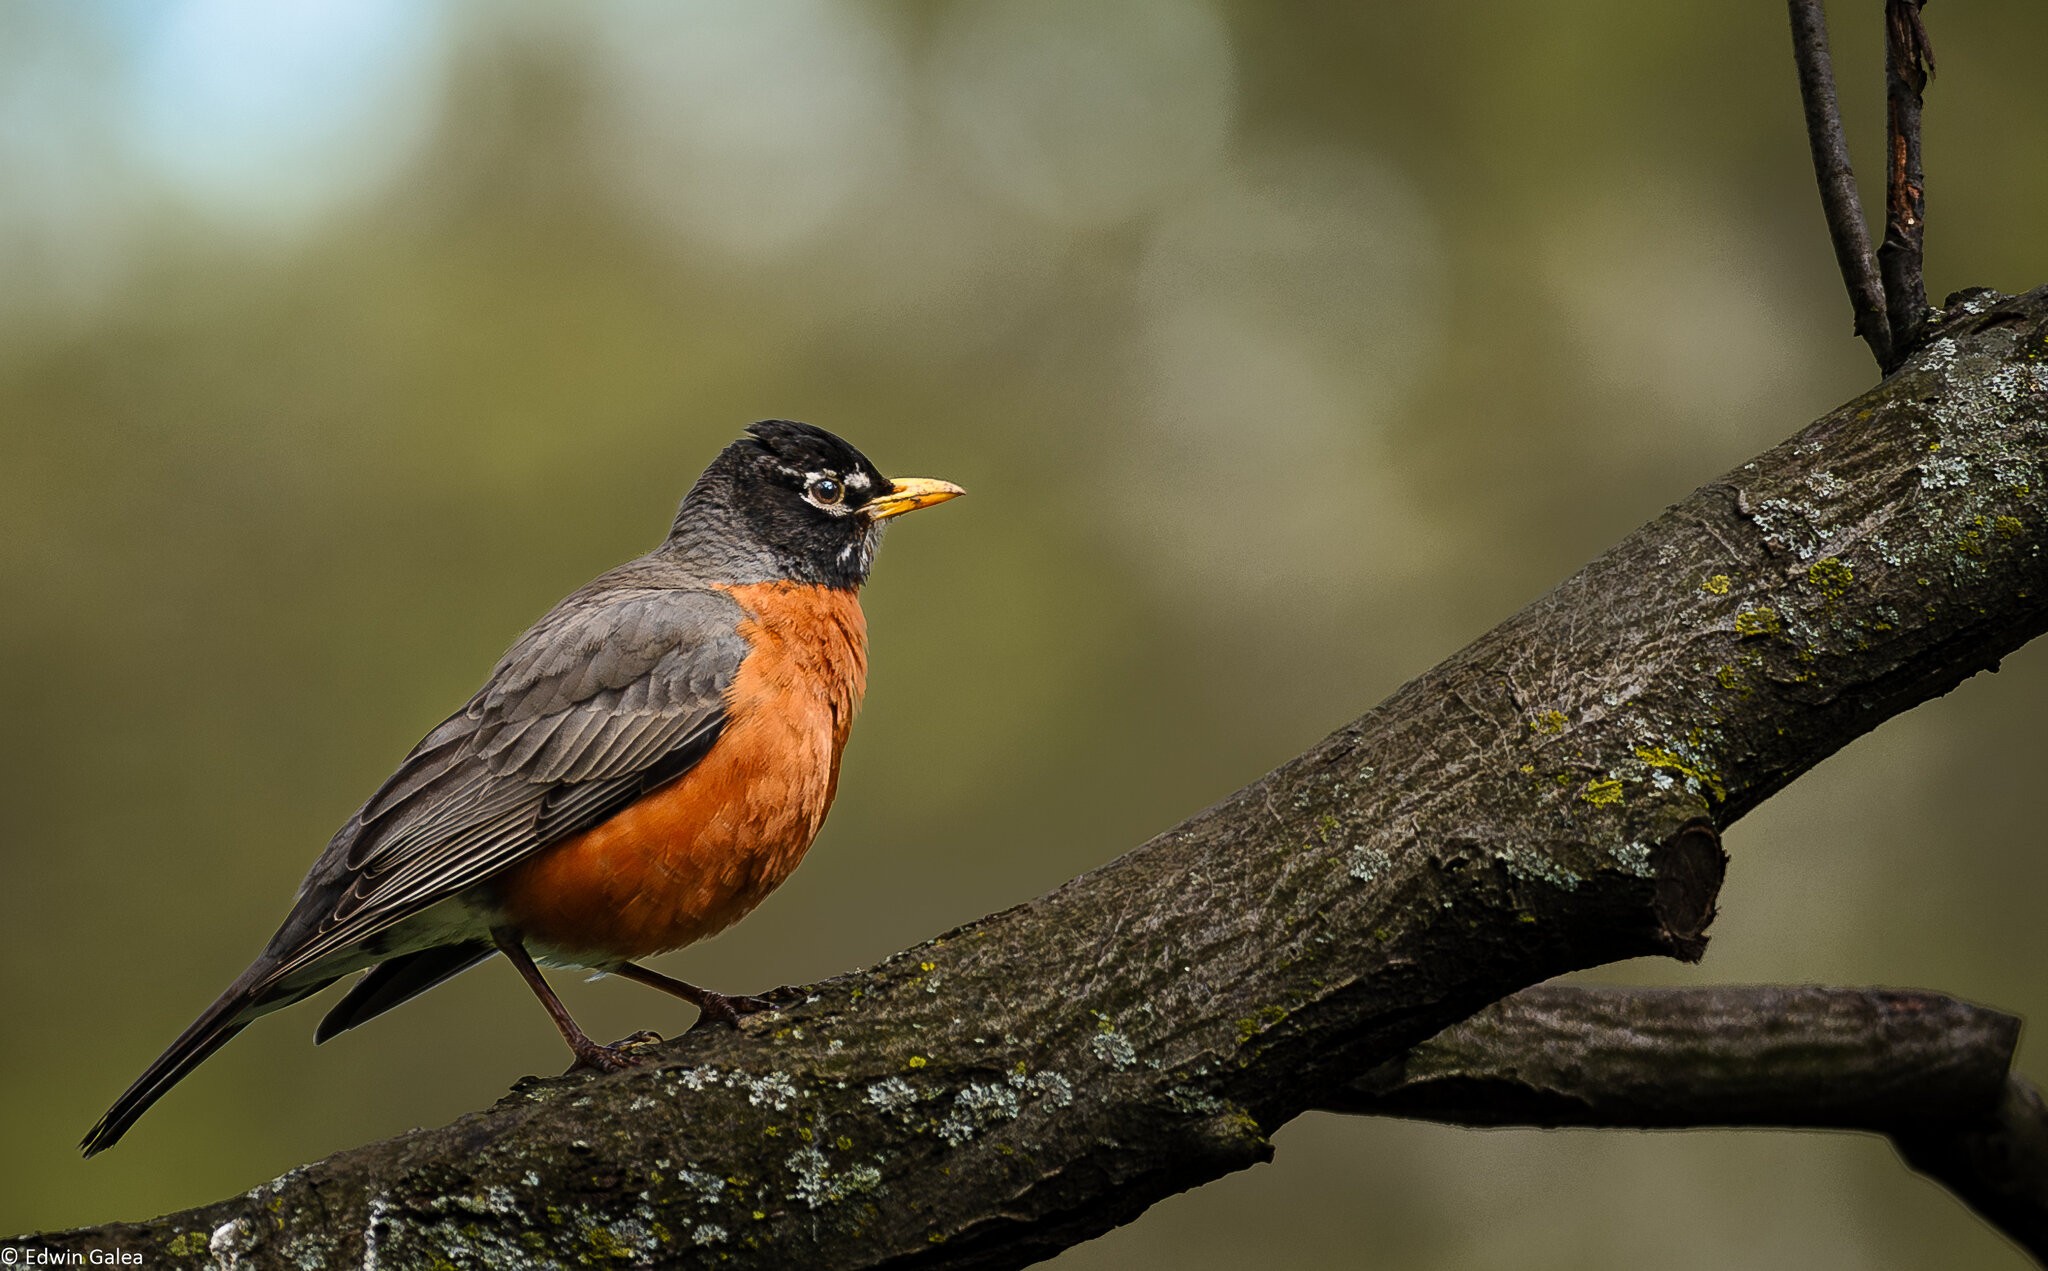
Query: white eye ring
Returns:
{"type": "Point", "coordinates": [825, 492]}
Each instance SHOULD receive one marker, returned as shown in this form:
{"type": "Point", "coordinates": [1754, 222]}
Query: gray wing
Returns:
{"type": "Point", "coordinates": [614, 692]}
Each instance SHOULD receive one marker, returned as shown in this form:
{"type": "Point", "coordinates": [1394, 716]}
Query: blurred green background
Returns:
{"type": "Point", "coordinates": [1285, 348]}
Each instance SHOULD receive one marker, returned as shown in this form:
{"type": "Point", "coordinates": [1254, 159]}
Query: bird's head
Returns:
{"type": "Point", "coordinates": [797, 503]}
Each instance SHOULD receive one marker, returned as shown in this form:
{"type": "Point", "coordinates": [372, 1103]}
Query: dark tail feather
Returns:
{"type": "Point", "coordinates": [397, 980]}
{"type": "Point", "coordinates": [230, 1015]}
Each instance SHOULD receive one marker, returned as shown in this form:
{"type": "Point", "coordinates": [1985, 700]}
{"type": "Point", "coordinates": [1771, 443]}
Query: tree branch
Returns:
{"type": "Point", "coordinates": [1908, 62]}
{"type": "Point", "coordinates": [1996, 1164]}
{"type": "Point", "coordinates": [1548, 798]}
{"type": "Point", "coordinates": [1931, 1073]}
{"type": "Point", "coordinates": [1801, 1056]}
{"type": "Point", "coordinates": [1838, 200]}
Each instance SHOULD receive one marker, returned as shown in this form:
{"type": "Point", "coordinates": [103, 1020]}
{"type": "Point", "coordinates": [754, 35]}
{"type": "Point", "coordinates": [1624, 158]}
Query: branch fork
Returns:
{"type": "Point", "coordinates": [1887, 291]}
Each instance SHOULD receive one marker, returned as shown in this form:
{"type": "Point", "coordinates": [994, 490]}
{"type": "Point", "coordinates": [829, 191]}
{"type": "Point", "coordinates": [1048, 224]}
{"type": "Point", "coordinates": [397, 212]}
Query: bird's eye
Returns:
{"type": "Point", "coordinates": [826, 491]}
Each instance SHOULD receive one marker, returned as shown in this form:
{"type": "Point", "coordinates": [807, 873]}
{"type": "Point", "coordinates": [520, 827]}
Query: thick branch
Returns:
{"type": "Point", "coordinates": [1546, 799]}
{"type": "Point", "coordinates": [1795, 1057]}
{"type": "Point", "coordinates": [1931, 1073]}
{"type": "Point", "coordinates": [1838, 200]}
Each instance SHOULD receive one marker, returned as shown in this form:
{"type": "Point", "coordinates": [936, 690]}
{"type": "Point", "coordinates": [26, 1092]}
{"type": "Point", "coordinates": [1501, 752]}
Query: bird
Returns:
{"type": "Point", "coordinates": [641, 769]}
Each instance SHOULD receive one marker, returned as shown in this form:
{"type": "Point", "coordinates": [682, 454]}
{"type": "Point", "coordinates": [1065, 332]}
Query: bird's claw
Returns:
{"type": "Point", "coordinates": [719, 1008]}
{"type": "Point", "coordinates": [618, 1058]}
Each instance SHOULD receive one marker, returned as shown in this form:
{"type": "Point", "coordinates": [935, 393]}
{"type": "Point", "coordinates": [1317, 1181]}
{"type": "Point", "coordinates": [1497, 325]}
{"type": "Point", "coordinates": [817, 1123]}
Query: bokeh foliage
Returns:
{"type": "Point", "coordinates": [1284, 349]}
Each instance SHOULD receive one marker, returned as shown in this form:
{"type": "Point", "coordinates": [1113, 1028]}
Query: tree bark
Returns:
{"type": "Point", "coordinates": [1547, 799]}
{"type": "Point", "coordinates": [1908, 61]}
{"type": "Point", "coordinates": [1884, 1060]}
{"type": "Point", "coordinates": [1932, 1074]}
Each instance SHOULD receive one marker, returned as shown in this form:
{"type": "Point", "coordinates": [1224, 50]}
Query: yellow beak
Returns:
{"type": "Point", "coordinates": [908, 495]}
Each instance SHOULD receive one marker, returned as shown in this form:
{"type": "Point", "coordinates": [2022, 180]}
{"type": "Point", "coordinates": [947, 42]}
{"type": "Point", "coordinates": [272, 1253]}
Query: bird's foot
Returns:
{"type": "Point", "coordinates": [617, 1057]}
{"type": "Point", "coordinates": [721, 1008]}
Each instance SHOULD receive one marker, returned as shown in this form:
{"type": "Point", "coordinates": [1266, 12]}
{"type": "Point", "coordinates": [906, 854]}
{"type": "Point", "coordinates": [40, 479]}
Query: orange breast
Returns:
{"type": "Point", "coordinates": [697, 855]}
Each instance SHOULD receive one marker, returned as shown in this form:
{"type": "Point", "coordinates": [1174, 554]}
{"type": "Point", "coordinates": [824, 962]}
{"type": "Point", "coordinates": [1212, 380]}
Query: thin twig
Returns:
{"type": "Point", "coordinates": [1838, 201]}
{"type": "Point", "coordinates": [1838, 181]}
{"type": "Point", "coordinates": [1908, 63]}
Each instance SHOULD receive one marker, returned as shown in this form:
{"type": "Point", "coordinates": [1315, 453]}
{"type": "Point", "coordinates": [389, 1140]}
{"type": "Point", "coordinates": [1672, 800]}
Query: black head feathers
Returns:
{"type": "Point", "coordinates": [788, 501]}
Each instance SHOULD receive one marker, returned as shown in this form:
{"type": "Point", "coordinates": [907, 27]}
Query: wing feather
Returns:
{"type": "Point", "coordinates": [619, 689]}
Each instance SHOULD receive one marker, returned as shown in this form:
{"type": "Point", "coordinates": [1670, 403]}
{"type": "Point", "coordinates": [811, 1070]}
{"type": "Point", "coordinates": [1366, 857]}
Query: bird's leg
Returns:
{"type": "Point", "coordinates": [711, 1006]}
{"type": "Point", "coordinates": [589, 1054]}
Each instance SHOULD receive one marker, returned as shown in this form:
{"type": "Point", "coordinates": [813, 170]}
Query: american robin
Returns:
{"type": "Point", "coordinates": [644, 766]}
